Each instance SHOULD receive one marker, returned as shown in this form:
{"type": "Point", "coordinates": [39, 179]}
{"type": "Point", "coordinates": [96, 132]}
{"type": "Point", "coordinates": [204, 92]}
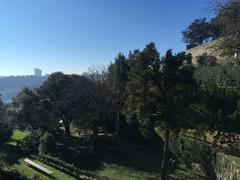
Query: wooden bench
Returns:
{"type": "Point", "coordinates": [38, 167]}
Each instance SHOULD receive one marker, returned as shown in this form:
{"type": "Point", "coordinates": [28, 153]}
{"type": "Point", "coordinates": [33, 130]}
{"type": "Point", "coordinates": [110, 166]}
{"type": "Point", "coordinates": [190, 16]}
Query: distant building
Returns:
{"type": "Point", "coordinates": [37, 72]}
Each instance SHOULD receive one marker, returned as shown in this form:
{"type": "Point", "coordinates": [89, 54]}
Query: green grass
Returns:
{"type": "Point", "coordinates": [114, 160]}
{"type": "Point", "coordinates": [123, 161]}
{"type": "Point", "coordinates": [121, 172]}
{"type": "Point", "coordinates": [17, 135]}
{"type": "Point", "coordinates": [15, 159]}
{"type": "Point", "coordinates": [30, 173]}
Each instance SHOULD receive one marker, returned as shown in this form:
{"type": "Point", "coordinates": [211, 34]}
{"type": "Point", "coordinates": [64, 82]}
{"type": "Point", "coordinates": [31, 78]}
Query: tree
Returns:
{"type": "Point", "coordinates": [159, 93]}
{"type": "Point", "coordinates": [117, 78]}
{"type": "Point", "coordinates": [216, 109]}
{"type": "Point", "coordinates": [176, 92]}
{"type": "Point", "coordinates": [228, 21]}
{"type": "Point", "coordinates": [33, 110]}
{"type": "Point", "coordinates": [141, 91]}
{"type": "Point", "coordinates": [47, 144]}
{"type": "Point", "coordinates": [1, 109]}
{"type": "Point", "coordinates": [197, 33]}
{"type": "Point", "coordinates": [57, 89]}
{"type": "Point", "coordinates": [5, 130]}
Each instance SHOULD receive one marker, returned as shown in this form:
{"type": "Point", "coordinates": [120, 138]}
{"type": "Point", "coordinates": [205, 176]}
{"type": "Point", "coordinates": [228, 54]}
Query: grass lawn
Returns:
{"type": "Point", "coordinates": [120, 172]}
{"type": "Point", "coordinates": [15, 159]}
{"type": "Point", "coordinates": [17, 135]}
{"type": "Point", "coordinates": [113, 160]}
{"type": "Point", "coordinates": [123, 161]}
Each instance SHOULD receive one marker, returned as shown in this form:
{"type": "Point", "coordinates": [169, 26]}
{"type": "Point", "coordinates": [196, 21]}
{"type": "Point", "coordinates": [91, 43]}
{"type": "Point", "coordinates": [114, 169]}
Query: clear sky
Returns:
{"type": "Point", "coordinates": [72, 35]}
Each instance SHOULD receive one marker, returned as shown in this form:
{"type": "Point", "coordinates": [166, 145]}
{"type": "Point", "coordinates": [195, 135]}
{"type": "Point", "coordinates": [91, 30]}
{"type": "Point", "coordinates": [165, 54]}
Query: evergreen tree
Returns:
{"type": "Point", "coordinates": [117, 78]}
{"type": "Point", "coordinates": [140, 104]}
{"type": "Point", "coordinates": [176, 89]}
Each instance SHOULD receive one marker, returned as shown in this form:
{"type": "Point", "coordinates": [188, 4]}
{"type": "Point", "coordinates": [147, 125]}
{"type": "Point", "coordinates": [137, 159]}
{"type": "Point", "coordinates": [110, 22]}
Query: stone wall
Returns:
{"type": "Point", "coordinates": [226, 167]}
{"type": "Point", "coordinates": [209, 49]}
{"type": "Point", "coordinates": [213, 161]}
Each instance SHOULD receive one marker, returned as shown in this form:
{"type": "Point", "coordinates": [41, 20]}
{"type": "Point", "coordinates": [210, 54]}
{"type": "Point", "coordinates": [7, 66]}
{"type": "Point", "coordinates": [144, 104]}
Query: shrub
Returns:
{"type": "Point", "coordinates": [47, 144]}
{"type": "Point", "coordinates": [30, 143]}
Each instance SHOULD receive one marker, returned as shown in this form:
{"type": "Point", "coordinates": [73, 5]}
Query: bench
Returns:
{"type": "Point", "coordinates": [38, 167]}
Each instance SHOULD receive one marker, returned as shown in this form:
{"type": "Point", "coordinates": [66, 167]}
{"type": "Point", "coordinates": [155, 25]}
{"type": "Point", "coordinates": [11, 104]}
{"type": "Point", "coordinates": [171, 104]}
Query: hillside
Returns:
{"type": "Point", "coordinates": [11, 85]}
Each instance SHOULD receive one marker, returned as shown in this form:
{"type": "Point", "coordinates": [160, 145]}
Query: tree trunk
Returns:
{"type": "Point", "coordinates": [95, 136]}
{"type": "Point", "coordinates": [67, 129]}
{"type": "Point", "coordinates": [66, 125]}
{"type": "Point", "coordinates": [79, 131]}
{"type": "Point", "coordinates": [165, 155]}
{"type": "Point", "coordinates": [118, 123]}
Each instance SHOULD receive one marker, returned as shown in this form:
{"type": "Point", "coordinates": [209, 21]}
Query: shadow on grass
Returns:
{"type": "Point", "coordinates": [112, 152]}
{"type": "Point", "coordinates": [13, 154]}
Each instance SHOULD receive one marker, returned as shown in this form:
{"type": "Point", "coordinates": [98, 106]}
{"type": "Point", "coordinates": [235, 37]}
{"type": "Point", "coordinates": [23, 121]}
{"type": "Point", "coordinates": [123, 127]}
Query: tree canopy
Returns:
{"type": "Point", "coordinates": [197, 33]}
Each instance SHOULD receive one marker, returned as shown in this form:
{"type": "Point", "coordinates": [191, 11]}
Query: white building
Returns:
{"type": "Point", "coordinates": [37, 72]}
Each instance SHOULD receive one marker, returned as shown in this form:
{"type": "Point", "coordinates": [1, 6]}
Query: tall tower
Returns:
{"type": "Point", "coordinates": [37, 72]}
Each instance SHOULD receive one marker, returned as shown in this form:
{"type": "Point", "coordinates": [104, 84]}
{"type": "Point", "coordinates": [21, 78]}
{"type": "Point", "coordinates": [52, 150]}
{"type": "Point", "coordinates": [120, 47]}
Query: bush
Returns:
{"type": "Point", "coordinates": [47, 144]}
{"type": "Point", "coordinates": [30, 143]}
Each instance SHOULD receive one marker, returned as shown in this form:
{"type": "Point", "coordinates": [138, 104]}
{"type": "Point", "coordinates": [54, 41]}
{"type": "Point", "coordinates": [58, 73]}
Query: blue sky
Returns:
{"type": "Point", "coordinates": [72, 35]}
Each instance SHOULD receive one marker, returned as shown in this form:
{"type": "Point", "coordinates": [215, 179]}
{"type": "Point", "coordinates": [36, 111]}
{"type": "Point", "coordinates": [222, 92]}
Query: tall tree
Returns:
{"type": "Point", "coordinates": [140, 103]}
{"type": "Point", "coordinates": [117, 78]}
{"type": "Point", "coordinates": [56, 89]}
{"type": "Point", "coordinates": [176, 91]}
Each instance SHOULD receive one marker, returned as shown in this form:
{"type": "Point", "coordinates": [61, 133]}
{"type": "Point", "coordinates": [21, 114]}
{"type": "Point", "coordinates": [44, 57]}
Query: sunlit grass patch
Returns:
{"type": "Point", "coordinates": [17, 135]}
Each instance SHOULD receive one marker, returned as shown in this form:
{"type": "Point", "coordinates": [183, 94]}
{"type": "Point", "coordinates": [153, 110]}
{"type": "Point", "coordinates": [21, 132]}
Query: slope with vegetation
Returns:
{"type": "Point", "coordinates": [118, 123]}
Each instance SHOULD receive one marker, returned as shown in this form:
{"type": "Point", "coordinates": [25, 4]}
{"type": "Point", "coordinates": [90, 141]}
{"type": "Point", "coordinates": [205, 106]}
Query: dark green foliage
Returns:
{"type": "Point", "coordinates": [5, 133]}
{"type": "Point", "coordinates": [33, 110]}
{"type": "Point", "coordinates": [206, 60]}
{"type": "Point", "coordinates": [176, 93]}
{"type": "Point", "coordinates": [5, 129]}
{"type": "Point", "coordinates": [67, 95]}
{"type": "Point", "coordinates": [159, 92]}
{"type": "Point", "coordinates": [228, 21]}
{"type": "Point", "coordinates": [177, 88]}
{"type": "Point", "coordinates": [140, 104]}
{"type": "Point", "coordinates": [7, 175]}
{"type": "Point", "coordinates": [117, 78]}
{"type": "Point", "coordinates": [222, 75]}
{"type": "Point", "coordinates": [31, 142]}
{"type": "Point", "coordinates": [197, 33]}
{"type": "Point", "coordinates": [219, 107]}
{"type": "Point", "coordinates": [47, 144]}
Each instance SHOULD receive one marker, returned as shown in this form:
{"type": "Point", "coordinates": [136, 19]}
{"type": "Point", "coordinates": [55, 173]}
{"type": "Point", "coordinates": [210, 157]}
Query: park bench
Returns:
{"type": "Point", "coordinates": [38, 167]}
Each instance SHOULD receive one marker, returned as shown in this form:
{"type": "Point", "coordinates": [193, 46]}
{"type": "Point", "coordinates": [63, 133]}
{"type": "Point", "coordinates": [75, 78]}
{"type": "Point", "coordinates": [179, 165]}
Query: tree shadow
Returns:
{"type": "Point", "coordinates": [113, 152]}
{"type": "Point", "coordinates": [13, 154]}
